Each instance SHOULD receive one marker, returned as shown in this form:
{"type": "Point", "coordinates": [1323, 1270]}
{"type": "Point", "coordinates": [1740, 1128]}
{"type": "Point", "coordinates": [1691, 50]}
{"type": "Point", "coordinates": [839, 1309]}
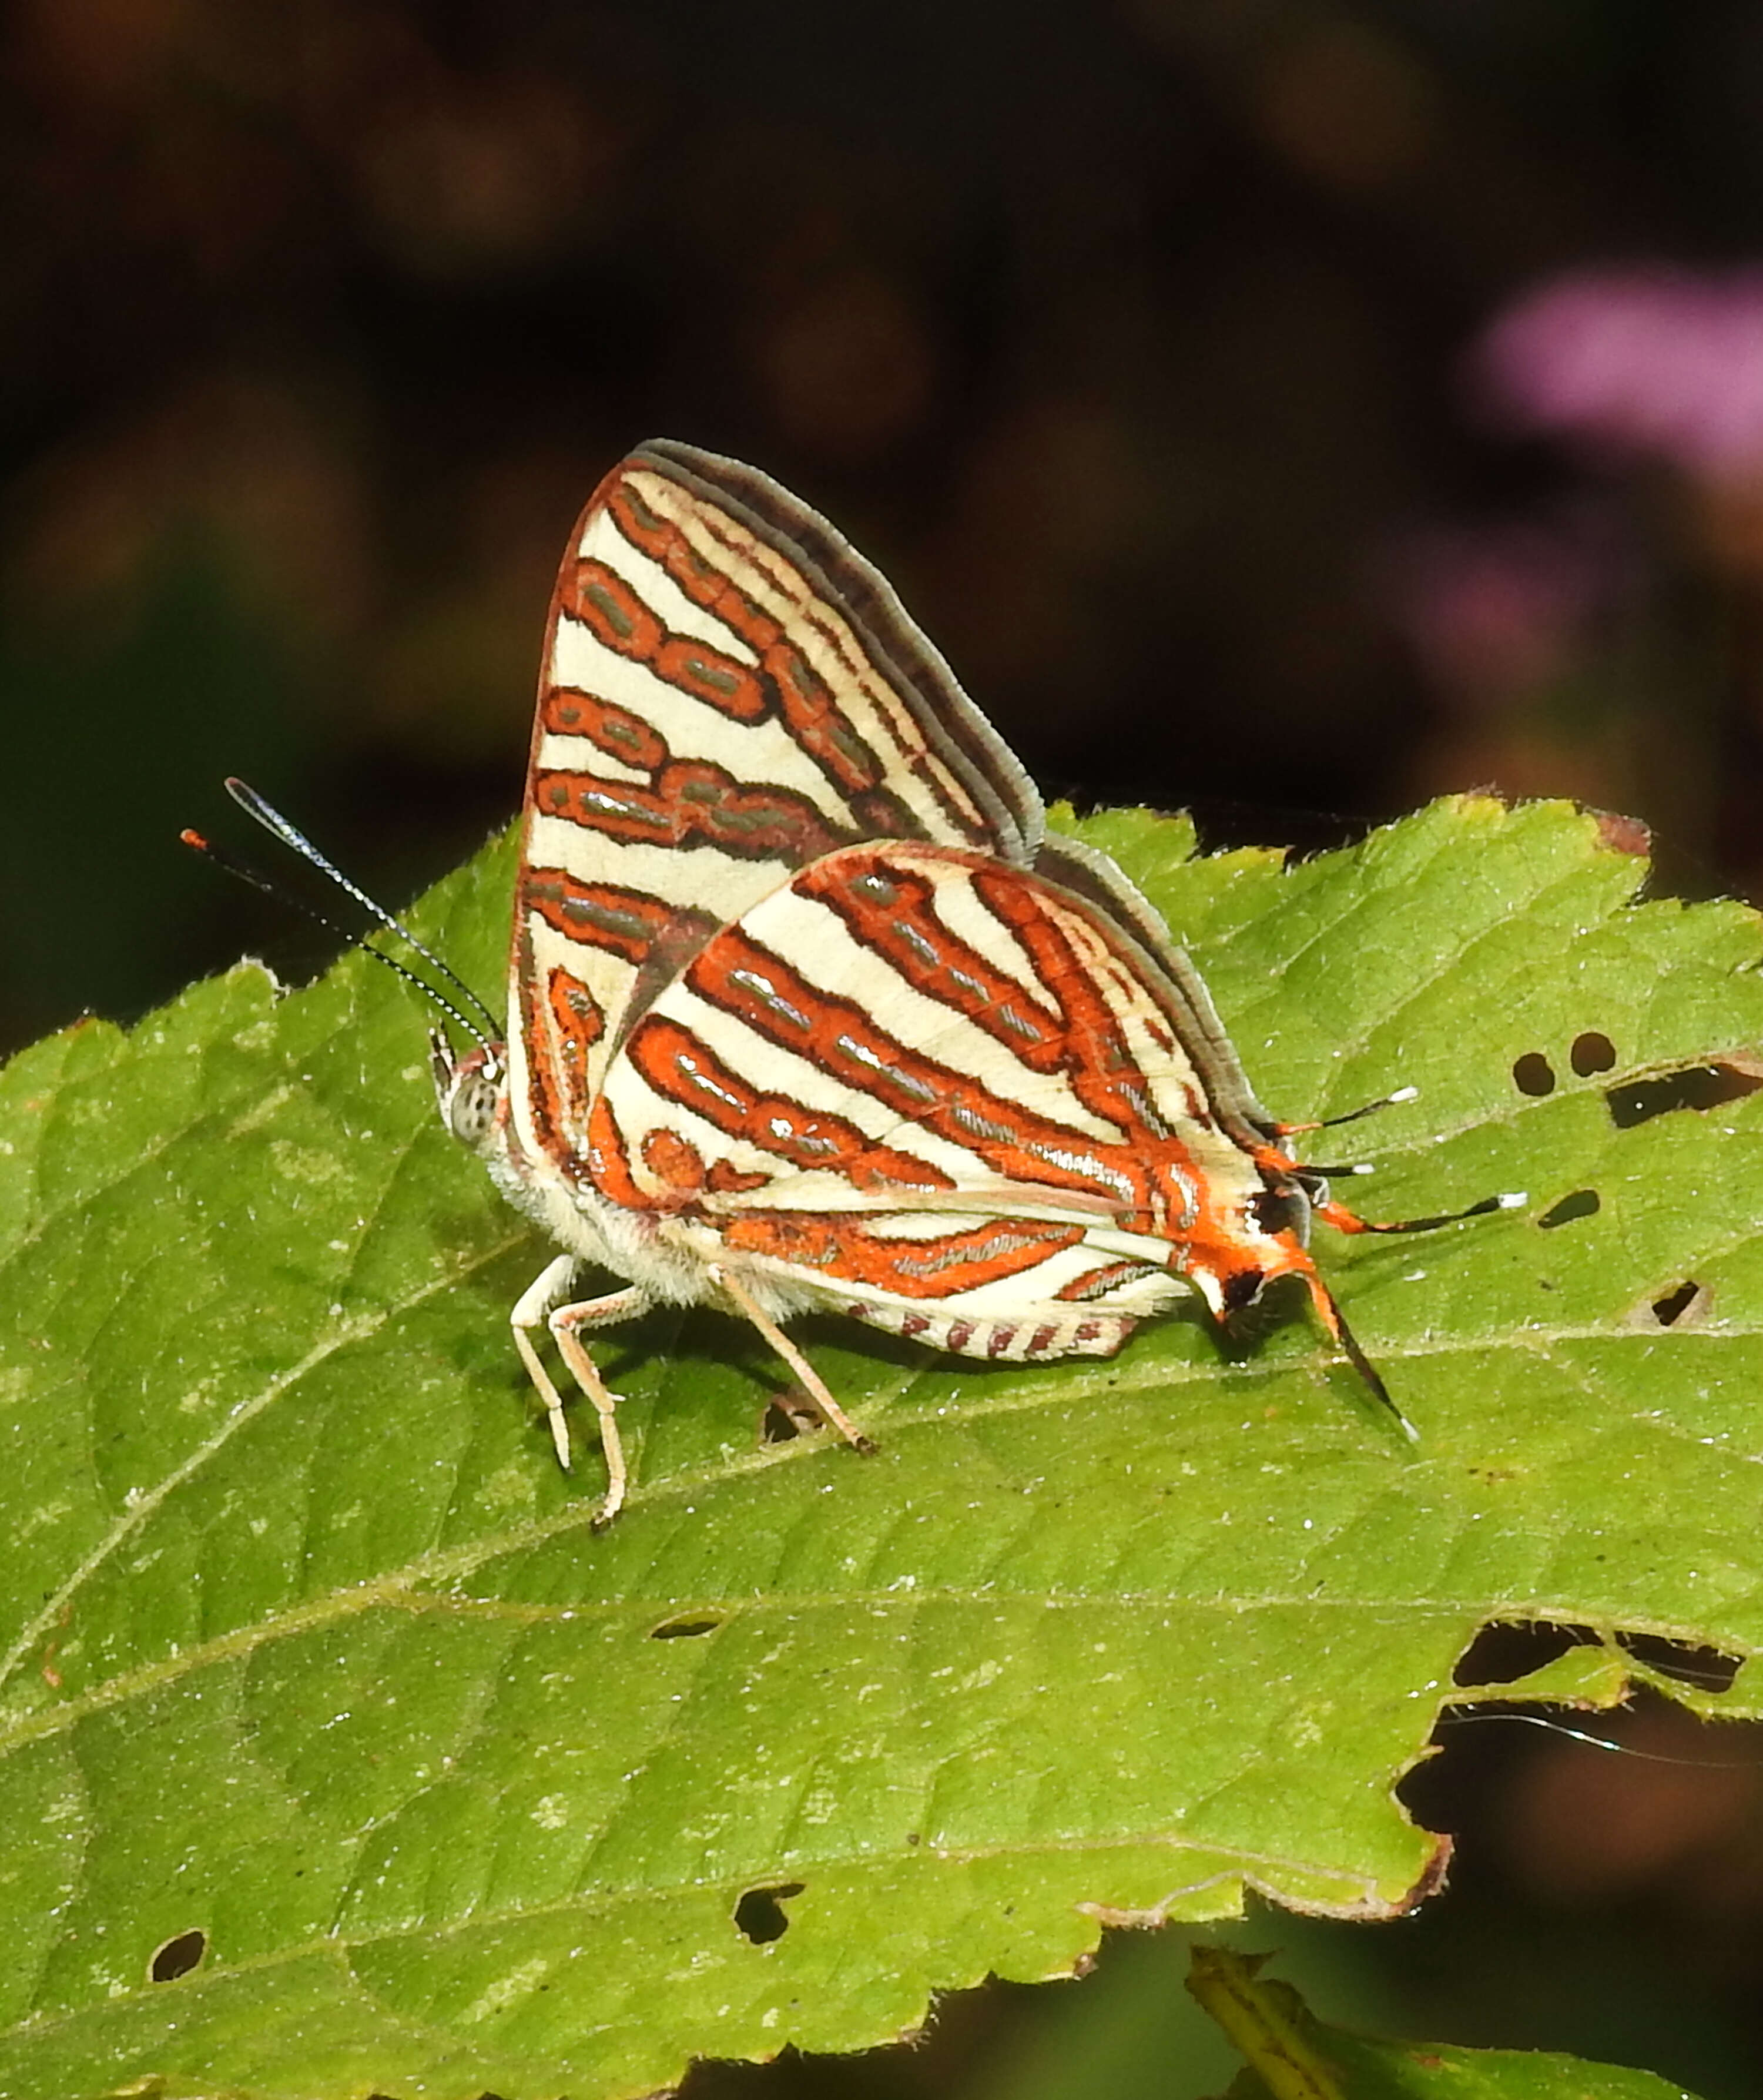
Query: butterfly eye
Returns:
{"type": "Point", "coordinates": [470, 1109]}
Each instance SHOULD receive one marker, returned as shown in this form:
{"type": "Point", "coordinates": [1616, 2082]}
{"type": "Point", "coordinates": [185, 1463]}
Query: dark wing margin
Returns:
{"type": "Point", "coordinates": [901, 652]}
{"type": "Point", "coordinates": [1164, 968]}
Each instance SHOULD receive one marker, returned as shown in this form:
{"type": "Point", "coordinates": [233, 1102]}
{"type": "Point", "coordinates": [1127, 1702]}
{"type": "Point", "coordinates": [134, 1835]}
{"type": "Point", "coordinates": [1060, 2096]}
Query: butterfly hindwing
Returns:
{"type": "Point", "coordinates": [912, 1074]}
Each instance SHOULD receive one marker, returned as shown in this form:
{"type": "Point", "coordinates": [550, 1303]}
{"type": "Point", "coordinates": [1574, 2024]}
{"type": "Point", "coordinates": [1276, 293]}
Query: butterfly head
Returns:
{"type": "Point", "coordinates": [470, 1091]}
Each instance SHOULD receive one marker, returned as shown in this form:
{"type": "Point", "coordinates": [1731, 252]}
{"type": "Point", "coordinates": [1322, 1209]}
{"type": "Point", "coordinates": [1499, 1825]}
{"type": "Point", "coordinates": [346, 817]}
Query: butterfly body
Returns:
{"type": "Point", "coordinates": [806, 1011]}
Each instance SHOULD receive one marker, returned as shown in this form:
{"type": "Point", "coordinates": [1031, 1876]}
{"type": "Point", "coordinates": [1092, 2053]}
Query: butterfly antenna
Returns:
{"type": "Point", "coordinates": [1352, 1115]}
{"type": "Point", "coordinates": [1371, 1108]}
{"type": "Point", "coordinates": [242, 870]}
{"type": "Point", "coordinates": [1348, 1221]}
{"type": "Point", "coordinates": [277, 825]}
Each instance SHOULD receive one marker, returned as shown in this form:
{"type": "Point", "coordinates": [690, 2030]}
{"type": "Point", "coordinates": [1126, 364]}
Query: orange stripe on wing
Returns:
{"type": "Point", "coordinates": [937, 1267]}
{"type": "Point", "coordinates": [558, 1049]}
{"type": "Point", "coordinates": [672, 1161]}
{"type": "Point", "coordinates": [597, 915]}
{"type": "Point", "coordinates": [563, 1022]}
{"type": "Point", "coordinates": [613, 612]}
{"type": "Point", "coordinates": [891, 911]}
{"type": "Point", "coordinates": [691, 802]}
{"type": "Point", "coordinates": [564, 712]}
{"type": "Point", "coordinates": [680, 1068]}
{"type": "Point", "coordinates": [1098, 1282]}
{"type": "Point", "coordinates": [609, 1162]}
{"type": "Point", "coordinates": [735, 972]}
{"type": "Point", "coordinates": [807, 704]}
{"type": "Point", "coordinates": [1105, 1074]}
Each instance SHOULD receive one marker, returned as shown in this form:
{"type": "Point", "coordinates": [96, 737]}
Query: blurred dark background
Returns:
{"type": "Point", "coordinates": [1285, 408]}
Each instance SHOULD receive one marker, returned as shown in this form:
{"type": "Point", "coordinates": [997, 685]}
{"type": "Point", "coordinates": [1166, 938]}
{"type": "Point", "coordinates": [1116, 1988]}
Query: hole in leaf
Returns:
{"type": "Point", "coordinates": [1700, 1086]}
{"type": "Point", "coordinates": [1671, 1308]}
{"type": "Point", "coordinates": [1506, 1650]}
{"type": "Point", "coordinates": [1533, 1074]}
{"type": "Point", "coordinates": [1582, 1203]}
{"type": "Point", "coordinates": [1596, 1783]}
{"type": "Point", "coordinates": [683, 1629]}
{"type": "Point", "coordinates": [1591, 1052]}
{"type": "Point", "coordinates": [177, 1958]}
{"type": "Point", "coordinates": [1686, 1662]}
{"type": "Point", "coordinates": [790, 1416]}
{"type": "Point", "coordinates": [760, 1914]}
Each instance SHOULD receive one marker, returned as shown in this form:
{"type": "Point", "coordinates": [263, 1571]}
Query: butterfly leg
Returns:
{"type": "Point", "coordinates": [545, 1304]}
{"type": "Point", "coordinates": [532, 1308]}
{"type": "Point", "coordinates": [812, 1382]}
{"type": "Point", "coordinates": [567, 1323]}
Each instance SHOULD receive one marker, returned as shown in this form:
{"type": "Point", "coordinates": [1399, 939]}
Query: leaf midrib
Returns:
{"type": "Point", "coordinates": [455, 1563]}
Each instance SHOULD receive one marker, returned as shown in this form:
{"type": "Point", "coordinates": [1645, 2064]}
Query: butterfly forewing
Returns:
{"type": "Point", "coordinates": [855, 675]}
{"type": "Point", "coordinates": [714, 713]}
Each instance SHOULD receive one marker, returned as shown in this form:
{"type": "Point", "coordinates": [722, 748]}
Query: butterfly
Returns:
{"type": "Point", "coordinates": [807, 1010]}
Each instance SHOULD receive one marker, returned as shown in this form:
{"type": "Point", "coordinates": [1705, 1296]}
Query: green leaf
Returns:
{"type": "Point", "coordinates": [1291, 2055]}
{"type": "Point", "coordinates": [1411, 2071]}
{"type": "Point", "coordinates": [311, 1650]}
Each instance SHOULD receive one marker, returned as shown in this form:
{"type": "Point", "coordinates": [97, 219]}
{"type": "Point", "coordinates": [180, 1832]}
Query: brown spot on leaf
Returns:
{"type": "Point", "coordinates": [1623, 835]}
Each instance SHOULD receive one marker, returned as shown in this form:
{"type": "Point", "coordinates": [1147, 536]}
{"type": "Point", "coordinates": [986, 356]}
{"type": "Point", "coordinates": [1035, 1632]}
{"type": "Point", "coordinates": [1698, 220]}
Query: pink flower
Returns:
{"type": "Point", "coordinates": [1493, 609]}
{"type": "Point", "coordinates": [1650, 360]}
